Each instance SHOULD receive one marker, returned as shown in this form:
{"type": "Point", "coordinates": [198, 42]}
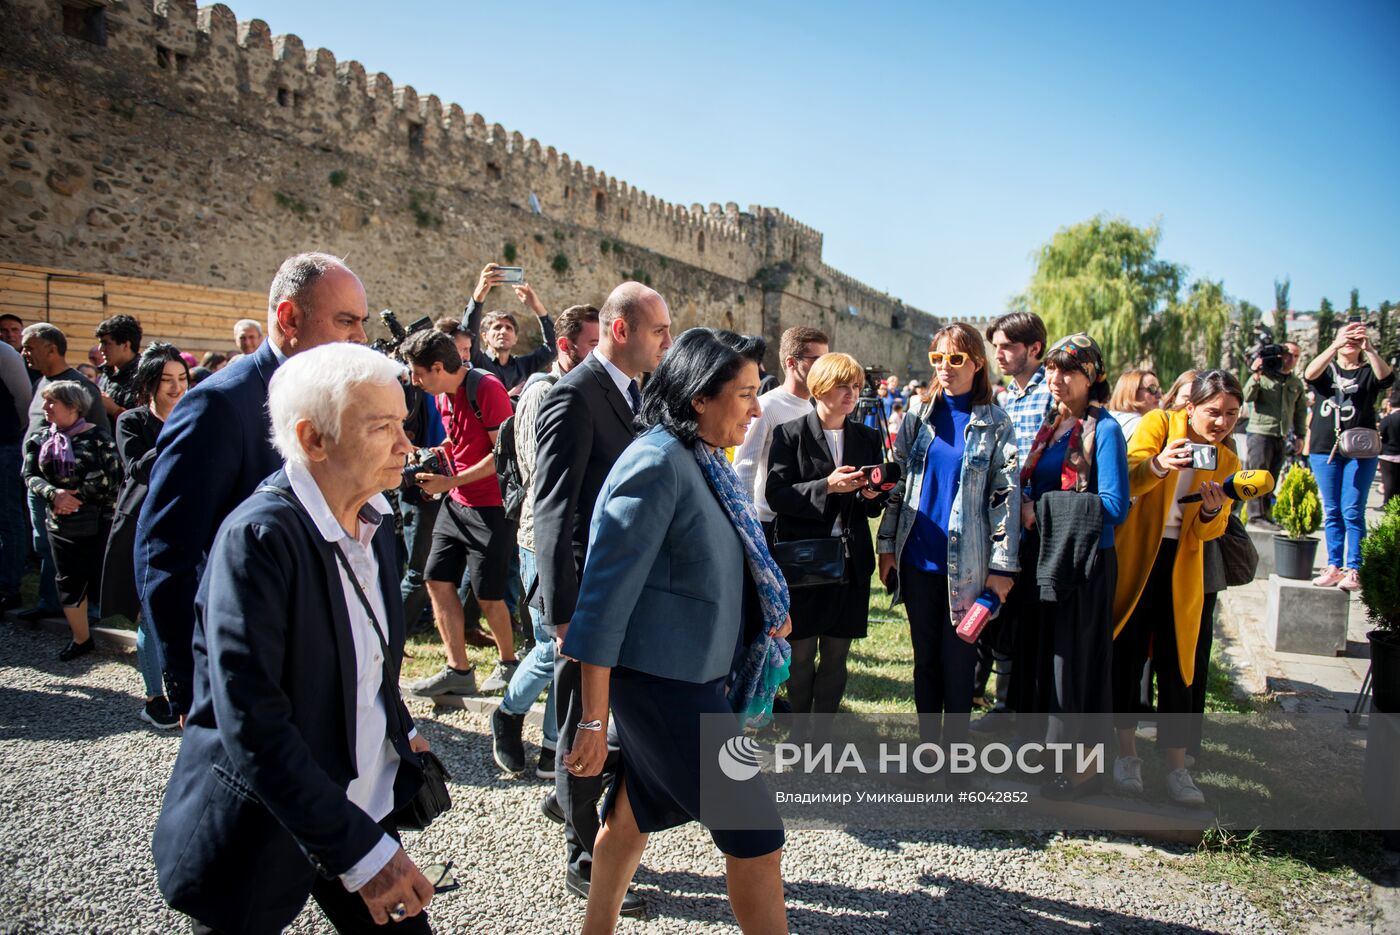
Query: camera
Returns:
{"type": "Point", "coordinates": [397, 332]}
{"type": "Point", "coordinates": [422, 461]}
{"type": "Point", "coordinates": [1269, 354]}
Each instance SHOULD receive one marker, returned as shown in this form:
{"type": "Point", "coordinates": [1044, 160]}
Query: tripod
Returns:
{"type": "Point", "coordinates": [870, 404]}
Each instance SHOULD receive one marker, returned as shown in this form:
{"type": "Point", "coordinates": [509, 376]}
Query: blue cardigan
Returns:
{"type": "Point", "coordinates": [662, 588]}
{"type": "Point", "coordinates": [1110, 464]}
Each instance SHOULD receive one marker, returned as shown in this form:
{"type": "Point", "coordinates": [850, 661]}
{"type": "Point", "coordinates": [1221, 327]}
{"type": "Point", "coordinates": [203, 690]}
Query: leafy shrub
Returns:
{"type": "Point", "coordinates": [1380, 570]}
{"type": "Point", "coordinates": [338, 177]}
{"type": "Point", "coordinates": [560, 264]}
{"type": "Point", "coordinates": [1297, 507]}
{"type": "Point", "coordinates": [508, 251]}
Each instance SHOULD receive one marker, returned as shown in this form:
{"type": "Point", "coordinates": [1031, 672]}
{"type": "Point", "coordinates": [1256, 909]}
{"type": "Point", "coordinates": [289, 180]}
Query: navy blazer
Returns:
{"type": "Point", "coordinates": [256, 805]}
{"type": "Point", "coordinates": [216, 447]}
{"type": "Point", "coordinates": [663, 585]}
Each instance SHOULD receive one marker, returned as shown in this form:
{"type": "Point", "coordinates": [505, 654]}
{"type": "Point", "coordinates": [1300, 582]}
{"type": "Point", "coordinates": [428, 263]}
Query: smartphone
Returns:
{"type": "Point", "coordinates": [1202, 457]}
{"type": "Point", "coordinates": [1353, 318]}
{"type": "Point", "coordinates": [511, 275]}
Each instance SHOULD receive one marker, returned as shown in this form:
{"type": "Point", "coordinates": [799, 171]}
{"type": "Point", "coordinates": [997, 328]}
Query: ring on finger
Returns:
{"type": "Point", "coordinates": [399, 912]}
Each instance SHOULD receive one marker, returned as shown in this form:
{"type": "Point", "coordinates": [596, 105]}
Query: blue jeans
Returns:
{"type": "Point", "coordinates": [418, 521]}
{"type": "Point", "coordinates": [536, 670]}
{"type": "Point", "coordinates": [1344, 484]}
{"type": "Point", "coordinates": [48, 589]}
{"type": "Point", "coordinates": [149, 658]}
{"type": "Point", "coordinates": [14, 547]}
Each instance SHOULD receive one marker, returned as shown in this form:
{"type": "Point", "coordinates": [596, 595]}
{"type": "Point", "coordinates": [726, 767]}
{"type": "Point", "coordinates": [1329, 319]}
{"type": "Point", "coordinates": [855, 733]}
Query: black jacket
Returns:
{"type": "Point", "coordinates": [798, 465]}
{"type": "Point", "coordinates": [516, 370]}
{"type": "Point", "coordinates": [137, 430]}
{"type": "Point", "coordinates": [215, 449]}
{"type": "Point", "coordinates": [584, 424]}
{"type": "Point", "coordinates": [256, 805]}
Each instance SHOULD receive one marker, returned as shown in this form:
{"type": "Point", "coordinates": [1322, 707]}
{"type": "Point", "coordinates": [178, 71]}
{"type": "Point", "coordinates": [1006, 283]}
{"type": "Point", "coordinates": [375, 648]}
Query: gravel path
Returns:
{"type": "Point", "coordinates": [82, 780]}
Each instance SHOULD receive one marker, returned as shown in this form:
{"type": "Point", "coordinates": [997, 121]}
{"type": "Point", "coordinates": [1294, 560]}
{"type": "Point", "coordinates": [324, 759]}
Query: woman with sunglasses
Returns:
{"type": "Point", "coordinates": [1136, 392]}
{"type": "Point", "coordinates": [1075, 493]}
{"type": "Point", "coordinates": [1160, 596]}
{"type": "Point", "coordinates": [951, 531]}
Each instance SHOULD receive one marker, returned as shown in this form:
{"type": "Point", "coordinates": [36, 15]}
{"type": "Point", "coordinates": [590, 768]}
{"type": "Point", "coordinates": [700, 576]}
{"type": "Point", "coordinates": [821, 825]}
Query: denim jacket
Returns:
{"type": "Point", "coordinates": [984, 528]}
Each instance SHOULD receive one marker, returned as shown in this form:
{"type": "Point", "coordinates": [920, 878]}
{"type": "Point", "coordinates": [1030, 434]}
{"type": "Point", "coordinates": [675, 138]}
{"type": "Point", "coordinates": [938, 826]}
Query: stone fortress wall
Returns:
{"type": "Point", "coordinates": [177, 144]}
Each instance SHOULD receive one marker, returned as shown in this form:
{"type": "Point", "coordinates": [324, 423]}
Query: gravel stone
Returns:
{"type": "Point", "coordinates": [83, 780]}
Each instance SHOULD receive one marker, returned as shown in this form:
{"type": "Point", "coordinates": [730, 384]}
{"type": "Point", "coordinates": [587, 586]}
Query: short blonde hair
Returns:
{"type": "Point", "coordinates": [832, 370]}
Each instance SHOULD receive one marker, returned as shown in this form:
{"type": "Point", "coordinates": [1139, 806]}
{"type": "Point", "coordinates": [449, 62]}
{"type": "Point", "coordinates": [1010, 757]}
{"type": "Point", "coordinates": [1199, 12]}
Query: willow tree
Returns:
{"type": "Point", "coordinates": [1191, 333]}
{"type": "Point", "coordinates": [1103, 276]}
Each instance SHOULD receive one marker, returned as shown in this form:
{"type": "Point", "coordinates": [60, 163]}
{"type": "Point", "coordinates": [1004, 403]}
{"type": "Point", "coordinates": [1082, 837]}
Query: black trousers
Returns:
{"type": "Point", "coordinates": [943, 663]}
{"type": "Point", "coordinates": [1029, 694]}
{"type": "Point", "coordinates": [347, 911]}
{"type": "Point", "coordinates": [1151, 629]}
{"type": "Point", "coordinates": [1390, 481]}
{"type": "Point", "coordinates": [1262, 452]}
{"type": "Point", "coordinates": [1081, 647]}
{"type": "Point", "coordinates": [578, 795]}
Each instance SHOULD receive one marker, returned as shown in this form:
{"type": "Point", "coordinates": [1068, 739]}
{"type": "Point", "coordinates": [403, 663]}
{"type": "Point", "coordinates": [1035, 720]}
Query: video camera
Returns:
{"type": "Point", "coordinates": [1269, 354]}
{"type": "Point", "coordinates": [397, 333]}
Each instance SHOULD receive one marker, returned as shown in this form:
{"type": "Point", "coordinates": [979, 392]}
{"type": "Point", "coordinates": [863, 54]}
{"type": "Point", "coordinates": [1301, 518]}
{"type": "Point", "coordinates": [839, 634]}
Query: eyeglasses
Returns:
{"type": "Point", "coordinates": [955, 359]}
{"type": "Point", "coordinates": [1152, 390]}
{"type": "Point", "coordinates": [441, 877]}
{"type": "Point", "coordinates": [808, 357]}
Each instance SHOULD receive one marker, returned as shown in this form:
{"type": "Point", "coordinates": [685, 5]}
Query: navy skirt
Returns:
{"type": "Point", "coordinates": [658, 728]}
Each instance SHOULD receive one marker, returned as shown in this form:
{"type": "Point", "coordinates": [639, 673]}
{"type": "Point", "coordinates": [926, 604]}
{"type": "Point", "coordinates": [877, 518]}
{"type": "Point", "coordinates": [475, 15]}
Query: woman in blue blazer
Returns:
{"type": "Point", "coordinates": [674, 547]}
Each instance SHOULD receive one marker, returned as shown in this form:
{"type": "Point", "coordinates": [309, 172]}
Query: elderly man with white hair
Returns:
{"type": "Point", "coordinates": [298, 749]}
{"type": "Point", "coordinates": [247, 335]}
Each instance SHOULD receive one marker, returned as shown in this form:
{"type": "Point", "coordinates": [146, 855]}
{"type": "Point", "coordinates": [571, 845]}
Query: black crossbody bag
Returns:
{"type": "Point", "coordinates": [814, 563]}
{"type": "Point", "coordinates": [432, 798]}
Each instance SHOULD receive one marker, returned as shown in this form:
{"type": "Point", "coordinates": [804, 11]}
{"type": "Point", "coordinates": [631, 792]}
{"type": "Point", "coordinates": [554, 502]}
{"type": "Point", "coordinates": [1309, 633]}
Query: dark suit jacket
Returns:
{"type": "Point", "coordinates": [798, 465]}
{"type": "Point", "coordinates": [137, 431]}
{"type": "Point", "coordinates": [256, 805]}
{"type": "Point", "coordinates": [584, 424]}
{"type": "Point", "coordinates": [211, 454]}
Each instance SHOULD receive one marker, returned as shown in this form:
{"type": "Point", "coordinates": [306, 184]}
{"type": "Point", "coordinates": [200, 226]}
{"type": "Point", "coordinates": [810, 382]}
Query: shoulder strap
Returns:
{"type": "Point", "coordinates": [474, 377]}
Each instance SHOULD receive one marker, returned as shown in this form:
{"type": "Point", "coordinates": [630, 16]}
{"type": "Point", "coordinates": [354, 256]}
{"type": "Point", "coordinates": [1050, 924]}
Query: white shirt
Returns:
{"type": "Point", "coordinates": [836, 444]}
{"type": "Point", "coordinates": [376, 760]}
{"type": "Point", "coordinates": [622, 380]}
{"type": "Point", "coordinates": [751, 457]}
{"type": "Point", "coordinates": [1185, 483]}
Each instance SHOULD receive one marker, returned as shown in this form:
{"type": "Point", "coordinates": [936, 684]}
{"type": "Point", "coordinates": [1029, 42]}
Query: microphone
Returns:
{"type": "Point", "coordinates": [1241, 485]}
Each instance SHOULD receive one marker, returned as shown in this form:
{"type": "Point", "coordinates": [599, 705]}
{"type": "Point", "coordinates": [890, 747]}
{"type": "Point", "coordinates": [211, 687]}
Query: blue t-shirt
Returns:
{"type": "Point", "coordinates": [927, 547]}
{"type": "Point", "coordinates": [1110, 465]}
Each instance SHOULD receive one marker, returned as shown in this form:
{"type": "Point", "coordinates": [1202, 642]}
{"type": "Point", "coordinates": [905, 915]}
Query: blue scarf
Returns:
{"type": "Point", "coordinates": [766, 662]}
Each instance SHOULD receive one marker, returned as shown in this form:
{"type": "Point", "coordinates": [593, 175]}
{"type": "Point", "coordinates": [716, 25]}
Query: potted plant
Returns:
{"type": "Point", "coordinates": [1380, 593]}
{"type": "Point", "coordinates": [1298, 510]}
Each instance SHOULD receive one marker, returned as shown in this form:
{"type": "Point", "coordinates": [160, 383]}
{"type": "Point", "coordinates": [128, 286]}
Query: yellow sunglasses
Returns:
{"type": "Point", "coordinates": [955, 359]}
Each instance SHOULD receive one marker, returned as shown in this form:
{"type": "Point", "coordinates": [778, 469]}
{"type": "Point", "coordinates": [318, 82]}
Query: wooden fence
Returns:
{"type": "Point", "coordinates": [193, 318]}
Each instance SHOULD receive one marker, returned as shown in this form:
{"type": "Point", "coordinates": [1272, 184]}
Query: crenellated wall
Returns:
{"type": "Point", "coordinates": [197, 148]}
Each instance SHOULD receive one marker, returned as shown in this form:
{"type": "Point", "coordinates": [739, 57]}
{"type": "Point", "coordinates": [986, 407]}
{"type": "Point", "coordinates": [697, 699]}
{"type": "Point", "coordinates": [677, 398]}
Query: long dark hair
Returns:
{"type": "Point", "coordinates": [152, 367]}
{"type": "Point", "coordinates": [1210, 383]}
{"type": "Point", "coordinates": [699, 364]}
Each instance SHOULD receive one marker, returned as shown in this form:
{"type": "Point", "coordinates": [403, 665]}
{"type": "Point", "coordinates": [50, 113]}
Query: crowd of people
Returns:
{"type": "Point", "coordinates": [276, 519]}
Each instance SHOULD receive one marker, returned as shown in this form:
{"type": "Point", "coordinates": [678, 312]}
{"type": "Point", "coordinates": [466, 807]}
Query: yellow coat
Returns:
{"type": "Point", "coordinates": [1139, 538]}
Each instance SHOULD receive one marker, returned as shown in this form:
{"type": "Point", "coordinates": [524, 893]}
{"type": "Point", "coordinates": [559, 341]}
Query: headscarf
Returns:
{"type": "Point", "coordinates": [764, 666]}
{"type": "Point", "coordinates": [56, 452]}
{"type": "Point", "coordinates": [1079, 458]}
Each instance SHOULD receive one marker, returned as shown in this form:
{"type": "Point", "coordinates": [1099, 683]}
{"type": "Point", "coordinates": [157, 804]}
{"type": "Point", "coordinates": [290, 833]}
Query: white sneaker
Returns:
{"type": "Point", "coordinates": [1127, 774]}
{"type": "Point", "coordinates": [1182, 788]}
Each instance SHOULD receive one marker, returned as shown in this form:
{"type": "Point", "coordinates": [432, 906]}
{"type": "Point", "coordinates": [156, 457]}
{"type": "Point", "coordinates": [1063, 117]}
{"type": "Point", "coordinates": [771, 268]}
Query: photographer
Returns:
{"type": "Point", "coordinates": [499, 333]}
{"type": "Point", "coordinates": [1346, 379]}
{"type": "Point", "coordinates": [1279, 406]}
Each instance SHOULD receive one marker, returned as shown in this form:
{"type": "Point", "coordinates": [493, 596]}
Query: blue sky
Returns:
{"type": "Point", "coordinates": [937, 146]}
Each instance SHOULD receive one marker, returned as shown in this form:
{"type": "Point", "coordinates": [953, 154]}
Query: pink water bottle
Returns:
{"type": "Point", "coordinates": [982, 610]}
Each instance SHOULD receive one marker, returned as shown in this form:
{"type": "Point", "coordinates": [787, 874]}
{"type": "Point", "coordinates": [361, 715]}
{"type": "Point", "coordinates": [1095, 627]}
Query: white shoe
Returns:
{"type": "Point", "coordinates": [1127, 774]}
{"type": "Point", "coordinates": [1182, 788]}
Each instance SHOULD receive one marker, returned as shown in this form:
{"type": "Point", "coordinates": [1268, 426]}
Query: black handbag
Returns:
{"type": "Point", "coordinates": [813, 563]}
{"type": "Point", "coordinates": [1240, 557]}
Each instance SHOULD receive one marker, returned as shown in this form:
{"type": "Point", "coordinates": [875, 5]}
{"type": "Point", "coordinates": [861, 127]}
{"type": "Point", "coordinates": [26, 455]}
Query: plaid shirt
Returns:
{"type": "Point", "coordinates": [1027, 409]}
